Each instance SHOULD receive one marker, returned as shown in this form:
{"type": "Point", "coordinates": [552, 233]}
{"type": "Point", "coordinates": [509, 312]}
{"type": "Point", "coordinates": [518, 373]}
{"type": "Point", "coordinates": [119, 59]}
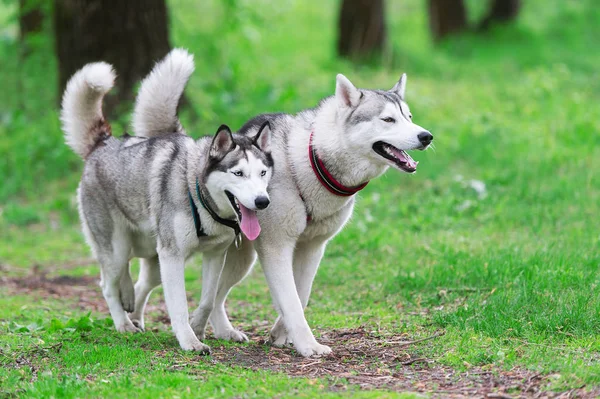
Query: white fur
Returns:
{"type": "Point", "coordinates": [155, 110]}
{"type": "Point", "coordinates": [82, 104]}
{"type": "Point", "coordinates": [289, 247]}
{"type": "Point", "coordinates": [400, 87]}
{"type": "Point", "coordinates": [245, 188]}
{"type": "Point", "coordinates": [346, 93]}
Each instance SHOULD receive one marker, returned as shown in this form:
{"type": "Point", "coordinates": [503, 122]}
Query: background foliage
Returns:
{"type": "Point", "coordinates": [495, 240]}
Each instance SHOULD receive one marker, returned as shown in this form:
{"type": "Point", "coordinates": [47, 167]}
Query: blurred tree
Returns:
{"type": "Point", "coordinates": [31, 18]}
{"type": "Point", "coordinates": [129, 34]}
{"type": "Point", "coordinates": [501, 11]}
{"type": "Point", "coordinates": [33, 28]}
{"type": "Point", "coordinates": [362, 30]}
{"type": "Point", "coordinates": [446, 17]}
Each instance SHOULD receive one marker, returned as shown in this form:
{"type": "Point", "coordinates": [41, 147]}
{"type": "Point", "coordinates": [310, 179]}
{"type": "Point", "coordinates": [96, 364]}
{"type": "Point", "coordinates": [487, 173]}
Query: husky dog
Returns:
{"type": "Point", "coordinates": [161, 195]}
{"type": "Point", "coordinates": [323, 156]}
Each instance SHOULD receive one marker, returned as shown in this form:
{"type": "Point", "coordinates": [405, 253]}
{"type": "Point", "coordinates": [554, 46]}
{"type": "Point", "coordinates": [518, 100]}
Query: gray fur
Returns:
{"type": "Point", "coordinates": [134, 200]}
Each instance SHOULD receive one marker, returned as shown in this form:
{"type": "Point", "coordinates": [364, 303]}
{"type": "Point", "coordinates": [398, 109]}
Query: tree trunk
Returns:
{"type": "Point", "coordinates": [31, 18]}
{"type": "Point", "coordinates": [362, 30]}
{"type": "Point", "coordinates": [501, 11]}
{"type": "Point", "coordinates": [129, 34]}
{"type": "Point", "coordinates": [446, 17]}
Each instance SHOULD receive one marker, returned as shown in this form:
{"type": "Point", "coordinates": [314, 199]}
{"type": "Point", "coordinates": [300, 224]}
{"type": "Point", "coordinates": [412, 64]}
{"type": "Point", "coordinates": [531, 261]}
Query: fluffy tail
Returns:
{"type": "Point", "coordinates": [155, 110]}
{"type": "Point", "coordinates": [81, 113]}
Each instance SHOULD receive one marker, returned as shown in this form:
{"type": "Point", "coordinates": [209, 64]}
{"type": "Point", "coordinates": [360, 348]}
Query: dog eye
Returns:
{"type": "Point", "coordinates": [263, 173]}
{"type": "Point", "coordinates": [410, 116]}
{"type": "Point", "coordinates": [238, 173]}
{"type": "Point", "coordinates": [388, 120]}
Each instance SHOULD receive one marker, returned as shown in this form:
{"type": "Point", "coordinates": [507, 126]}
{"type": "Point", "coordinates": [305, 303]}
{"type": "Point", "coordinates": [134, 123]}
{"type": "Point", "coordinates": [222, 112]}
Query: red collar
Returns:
{"type": "Point", "coordinates": [326, 179]}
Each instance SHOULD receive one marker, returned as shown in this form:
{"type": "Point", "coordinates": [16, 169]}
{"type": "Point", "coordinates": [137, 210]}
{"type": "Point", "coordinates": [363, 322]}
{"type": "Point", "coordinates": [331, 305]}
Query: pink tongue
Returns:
{"type": "Point", "coordinates": [405, 158]}
{"type": "Point", "coordinates": [249, 225]}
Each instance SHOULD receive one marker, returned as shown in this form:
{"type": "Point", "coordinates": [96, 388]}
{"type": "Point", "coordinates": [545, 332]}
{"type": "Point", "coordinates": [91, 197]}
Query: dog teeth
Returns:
{"type": "Point", "coordinates": [389, 151]}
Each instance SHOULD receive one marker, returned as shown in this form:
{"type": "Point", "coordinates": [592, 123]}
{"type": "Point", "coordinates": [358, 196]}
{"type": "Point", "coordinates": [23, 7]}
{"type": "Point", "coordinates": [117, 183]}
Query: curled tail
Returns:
{"type": "Point", "coordinates": [155, 110]}
{"type": "Point", "coordinates": [81, 111]}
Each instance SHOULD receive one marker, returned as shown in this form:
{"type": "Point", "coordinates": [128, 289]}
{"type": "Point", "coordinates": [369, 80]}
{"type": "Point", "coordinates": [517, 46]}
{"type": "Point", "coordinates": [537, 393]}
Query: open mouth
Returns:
{"type": "Point", "coordinates": [399, 157]}
{"type": "Point", "coordinates": [246, 218]}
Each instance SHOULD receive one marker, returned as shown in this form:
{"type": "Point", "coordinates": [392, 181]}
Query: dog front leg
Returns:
{"type": "Point", "coordinates": [172, 276]}
{"type": "Point", "coordinates": [307, 257]}
{"type": "Point", "coordinates": [277, 263]}
{"type": "Point", "coordinates": [237, 265]}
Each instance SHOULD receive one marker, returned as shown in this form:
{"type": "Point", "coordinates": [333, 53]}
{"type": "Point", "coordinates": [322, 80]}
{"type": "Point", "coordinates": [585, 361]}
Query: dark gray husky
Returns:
{"type": "Point", "coordinates": [161, 195]}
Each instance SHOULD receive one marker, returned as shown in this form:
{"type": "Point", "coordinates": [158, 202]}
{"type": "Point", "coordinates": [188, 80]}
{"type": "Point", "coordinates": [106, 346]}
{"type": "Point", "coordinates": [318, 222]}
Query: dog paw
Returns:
{"type": "Point", "coordinates": [201, 334]}
{"type": "Point", "coordinates": [281, 341]}
{"type": "Point", "coordinates": [138, 323]}
{"type": "Point", "coordinates": [314, 349]}
{"type": "Point", "coordinates": [279, 336]}
{"type": "Point", "coordinates": [128, 299]}
{"type": "Point", "coordinates": [232, 335]}
{"type": "Point", "coordinates": [194, 345]}
{"type": "Point", "coordinates": [128, 327]}
{"type": "Point", "coordinates": [199, 329]}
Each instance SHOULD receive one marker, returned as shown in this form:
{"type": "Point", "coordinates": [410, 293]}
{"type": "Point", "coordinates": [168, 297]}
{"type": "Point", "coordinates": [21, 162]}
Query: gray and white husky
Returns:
{"type": "Point", "coordinates": [323, 156]}
{"type": "Point", "coordinates": [161, 195]}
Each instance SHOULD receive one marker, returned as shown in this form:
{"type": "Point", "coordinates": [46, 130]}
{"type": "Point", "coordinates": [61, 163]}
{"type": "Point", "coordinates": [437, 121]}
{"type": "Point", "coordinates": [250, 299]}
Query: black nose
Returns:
{"type": "Point", "coordinates": [262, 202]}
{"type": "Point", "coordinates": [425, 138]}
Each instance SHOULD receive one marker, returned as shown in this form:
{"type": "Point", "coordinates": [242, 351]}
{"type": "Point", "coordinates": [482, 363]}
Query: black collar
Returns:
{"type": "Point", "coordinates": [197, 223]}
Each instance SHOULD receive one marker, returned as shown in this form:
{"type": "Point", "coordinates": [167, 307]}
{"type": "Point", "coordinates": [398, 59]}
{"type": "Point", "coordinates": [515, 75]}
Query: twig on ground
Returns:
{"type": "Point", "coordinates": [309, 364]}
{"type": "Point", "coordinates": [416, 341]}
{"type": "Point", "coordinates": [416, 360]}
{"type": "Point", "coordinates": [496, 395]}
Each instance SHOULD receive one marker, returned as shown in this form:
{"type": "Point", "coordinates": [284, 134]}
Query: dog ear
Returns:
{"type": "Point", "coordinates": [222, 143]}
{"type": "Point", "coordinates": [400, 87]}
{"type": "Point", "coordinates": [345, 92]}
{"type": "Point", "coordinates": [263, 138]}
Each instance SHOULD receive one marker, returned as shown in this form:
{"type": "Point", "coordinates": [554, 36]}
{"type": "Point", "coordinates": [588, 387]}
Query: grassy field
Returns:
{"type": "Point", "coordinates": [492, 250]}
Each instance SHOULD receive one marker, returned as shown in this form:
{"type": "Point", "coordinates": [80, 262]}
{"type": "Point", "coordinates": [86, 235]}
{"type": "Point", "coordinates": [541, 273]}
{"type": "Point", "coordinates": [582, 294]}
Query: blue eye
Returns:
{"type": "Point", "coordinates": [388, 120]}
{"type": "Point", "coordinates": [263, 173]}
{"type": "Point", "coordinates": [238, 173]}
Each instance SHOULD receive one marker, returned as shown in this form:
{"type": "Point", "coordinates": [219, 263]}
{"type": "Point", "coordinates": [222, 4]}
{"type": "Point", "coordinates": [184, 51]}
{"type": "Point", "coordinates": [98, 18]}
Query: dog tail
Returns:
{"type": "Point", "coordinates": [155, 110]}
{"type": "Point", "coordinates": [81, 112]}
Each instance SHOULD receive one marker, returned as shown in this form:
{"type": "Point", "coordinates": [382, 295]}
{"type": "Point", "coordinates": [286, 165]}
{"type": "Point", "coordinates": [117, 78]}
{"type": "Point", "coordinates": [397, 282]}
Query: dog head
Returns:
{"type": "Point", "coordinates": [238, 173]}
{"type": "Point", "coordinates": [378, 124]}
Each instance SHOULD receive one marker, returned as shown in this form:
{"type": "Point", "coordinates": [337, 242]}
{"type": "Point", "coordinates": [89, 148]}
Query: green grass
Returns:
{"type": "Point", "coordinates": [511, 275]}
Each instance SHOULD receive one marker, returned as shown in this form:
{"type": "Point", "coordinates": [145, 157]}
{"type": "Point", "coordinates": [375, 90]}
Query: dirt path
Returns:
{"type": "Point", "coordinates": [375, 362]}
{"type": "Point", "coordinates": [362, 358]}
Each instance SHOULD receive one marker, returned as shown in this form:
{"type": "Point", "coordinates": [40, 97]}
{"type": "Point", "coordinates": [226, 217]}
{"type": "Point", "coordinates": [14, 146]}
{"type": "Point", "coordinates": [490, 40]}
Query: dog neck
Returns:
{"type": "Point", "coordinates": [212, 199]}
{"type": "Point", "coordinates": [326, 178]}
{"type": "Point", "coordinates": [329, 140]}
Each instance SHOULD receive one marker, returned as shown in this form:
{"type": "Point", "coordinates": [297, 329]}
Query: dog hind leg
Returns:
{"type": "Point", "coordinates": [212, 266]}
{"type": "Point", "coordinates": [114, 262]}
{"type": "Point", "coordinates": [149, 279]}
{"type": "Point", "coordinates": [126, 291]}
